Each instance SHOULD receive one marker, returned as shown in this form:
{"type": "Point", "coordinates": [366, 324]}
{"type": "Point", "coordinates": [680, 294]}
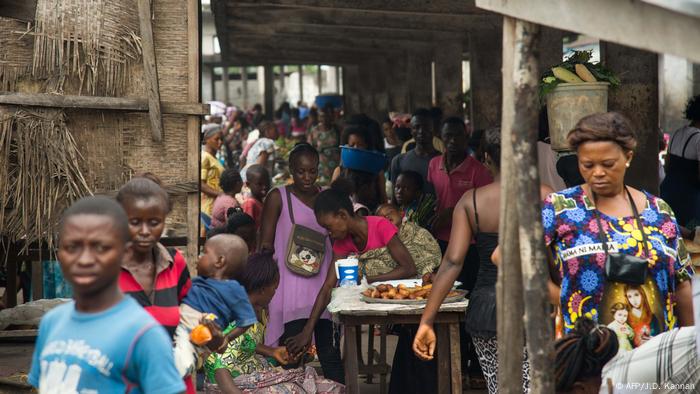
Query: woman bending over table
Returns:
{"type": "Point", "coordinates": [353, 235]}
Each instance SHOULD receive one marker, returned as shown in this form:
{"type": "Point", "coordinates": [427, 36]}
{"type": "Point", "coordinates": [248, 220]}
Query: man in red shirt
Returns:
{"type": "Point", "coordinates": [452, 174]}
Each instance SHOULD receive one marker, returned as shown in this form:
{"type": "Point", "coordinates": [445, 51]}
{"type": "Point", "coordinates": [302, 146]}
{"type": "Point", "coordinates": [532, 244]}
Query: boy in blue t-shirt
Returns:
{"type": "Point", "coordinates": [102, 341]}
{"type": "Point", "coordinates": [215, 291]}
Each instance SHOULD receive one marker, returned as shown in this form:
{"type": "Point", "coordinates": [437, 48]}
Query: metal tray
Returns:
{"type": "Point", "coordinates": [448, 300]}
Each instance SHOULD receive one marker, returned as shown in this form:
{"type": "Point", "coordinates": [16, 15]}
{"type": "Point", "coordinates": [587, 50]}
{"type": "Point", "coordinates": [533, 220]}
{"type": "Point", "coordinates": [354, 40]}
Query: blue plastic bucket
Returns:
{"type": "Point", "coordinates": [362, 160]}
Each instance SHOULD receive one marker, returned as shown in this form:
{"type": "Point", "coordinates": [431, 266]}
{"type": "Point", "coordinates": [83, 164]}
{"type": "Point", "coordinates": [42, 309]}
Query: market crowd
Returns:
{"type": "Point", "coordinates": [285, 196]}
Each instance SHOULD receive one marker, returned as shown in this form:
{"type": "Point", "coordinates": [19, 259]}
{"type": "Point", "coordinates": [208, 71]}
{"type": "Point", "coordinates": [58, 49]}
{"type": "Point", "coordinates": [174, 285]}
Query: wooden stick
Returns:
{"type": "Point", "coordinates": [193, 128]}
{"type": "Point", "coordinates": [538, 325]}
{"type": "Point", "coordinates": [509, 291]}
{"type": "Point", "coordinates": [98, 102]}
{"type": "Point", "coordinates": [150, 70]}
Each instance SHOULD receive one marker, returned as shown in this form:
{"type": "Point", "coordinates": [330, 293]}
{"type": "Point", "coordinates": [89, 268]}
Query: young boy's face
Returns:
{"type": "Point", "coordinates": [146, 222]}
{"type": "Point", "coordinates": [405, 190]}
{"type": "Point", "coordinates": [90, 252]}
{"type": "Point", "coordinates": [259, 186]}
{"type": "Point", "coordinates": [206, 265]}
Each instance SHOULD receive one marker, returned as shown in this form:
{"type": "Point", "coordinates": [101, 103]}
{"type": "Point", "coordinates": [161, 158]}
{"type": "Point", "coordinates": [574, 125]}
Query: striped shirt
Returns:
{"type": "Point", "coordinates": [170, 287]}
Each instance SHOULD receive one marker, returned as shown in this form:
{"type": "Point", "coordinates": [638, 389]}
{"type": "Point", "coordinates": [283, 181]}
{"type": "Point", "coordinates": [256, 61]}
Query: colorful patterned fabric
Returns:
{"type": "Point", "coordinates": [326, 143]}
{"type": "Point", "coordinates": [239, 357]}
{"type": "Point", "coordinates": [571, 231]}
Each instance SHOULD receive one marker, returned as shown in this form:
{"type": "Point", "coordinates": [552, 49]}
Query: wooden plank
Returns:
{"type": "Point", "coordinates": [18, 334]}
{"type": "Point", "coordinates": [443, 358]}
{"type": "Point", "coordinates": [12, 270]}
{"type": "Point", "coordinates": [350, 358]}
{"type": "Point", "coordinates": [98, 102]}
{"type": "Point", "coordinates": [535, 271]}
{"type": "Point", "coordinates": [24, 10]}
{"type": "Point", "coordinates": [455, 359]}
{"type": "Point", "coordinates": [193, 129]}
{"type": "Point", "coordinates": [645, 26]}
{"type": "Point", "coordinates": [150, 70]}
{"type": "Point", "coordinates": [37, 281]}
{"type": "Point", "coordinates": [509, 290]}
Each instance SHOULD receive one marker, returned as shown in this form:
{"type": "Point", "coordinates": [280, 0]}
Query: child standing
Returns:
{"type": "Point", "coordinates": [231, 184]}
{"type": "Point", "coordinates": [156, 277]}
{"type": "Point", "coordinates": [258, 181]}
{"type": "Point", "coordinates": [72, 353]}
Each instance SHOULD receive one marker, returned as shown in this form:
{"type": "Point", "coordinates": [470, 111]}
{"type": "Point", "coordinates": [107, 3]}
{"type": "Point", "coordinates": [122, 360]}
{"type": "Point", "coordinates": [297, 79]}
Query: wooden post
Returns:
{"type": "Point", "coordinates": [269, 92]}
{"type": "Point", "coordinates": [244, 87]}
{"type": "Point", "coordinates": [524, 122]}
{"type": "Point", "coordinates": [193, 129]}
{"type": "Point", "coordinates": [301, 83]}
{"type": "Point", "coordinates": [319, 78]}
{"type": "Point", "coordinates": [150, 70]}
{"type": "Point", "coordinates": [509, 290]}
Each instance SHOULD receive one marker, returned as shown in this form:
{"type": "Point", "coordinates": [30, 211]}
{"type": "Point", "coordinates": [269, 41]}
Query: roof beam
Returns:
{"type": "Point", "coordinates": [396, 7]}
{"type": "Point", "coordinates": [646, 26]}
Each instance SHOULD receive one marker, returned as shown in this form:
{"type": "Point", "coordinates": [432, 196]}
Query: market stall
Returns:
{"type": "Point", "coordinates": [351, 308]}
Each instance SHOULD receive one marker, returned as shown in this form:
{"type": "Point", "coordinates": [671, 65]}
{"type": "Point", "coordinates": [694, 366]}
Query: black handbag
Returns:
{"type": "Point", "coordinates": [620, 267]}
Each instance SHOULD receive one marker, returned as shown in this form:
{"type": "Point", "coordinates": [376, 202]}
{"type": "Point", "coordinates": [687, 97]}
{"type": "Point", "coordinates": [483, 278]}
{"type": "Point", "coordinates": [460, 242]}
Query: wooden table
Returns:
{"type": "Point", "coordinates": [354, 313]}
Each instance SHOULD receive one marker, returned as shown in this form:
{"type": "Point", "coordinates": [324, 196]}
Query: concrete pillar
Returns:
{"type": "Point", "coordinates": [637, 97]}
{"type": "Point", "coordinates": [485, 68]}
{"type": "Point", "coordinates": [269, 92]}
{"type": "Point", "coordinates": [398, 87]}
{"type": "Point", "coordinates": [319, 79]}
{"type": "Point", "coordinates": [366, 87]}
{"type": "Point", "coordinates": [351, 88]}
{"type": "Point", "coordinates": [301, 83]}
{"type": "Point", "coordinates": [675, 88]}
{"type": "Point", "coordinates": [337, 79]}
{"type": "Point", "coordinates": [224, 78]}
{"type": "Point", "coordinates": [282, 78]}
{"type": "Point", "coordinates": [419, 83]}
{"type": "Point", "coordinates": [448, 77]}
{"type": "Point", "coordinates": [207, 83]}
{"type": "Point", "coordinates": [381, 86]}
{"type": "Point", "coordinates": [244, 86]}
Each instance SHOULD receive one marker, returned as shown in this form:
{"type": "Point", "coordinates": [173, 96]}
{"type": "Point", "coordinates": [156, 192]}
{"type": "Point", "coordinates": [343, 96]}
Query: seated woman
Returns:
{"type": "Point", "coordinates": [356, 136]}
{"type": "Point", "coordinates": [247, 364]}
{"type": "Point", "coordinates": [352, 234]}
{"type": "Point", "coordinates": [420, 244]}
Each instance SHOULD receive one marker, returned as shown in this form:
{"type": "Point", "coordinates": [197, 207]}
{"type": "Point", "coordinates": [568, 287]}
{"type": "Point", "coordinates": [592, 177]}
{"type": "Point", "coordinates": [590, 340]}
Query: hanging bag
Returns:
{"type": "Point", "coordinates": [620, 267]}
{"type": "Point", "coordinates": [306, 247]}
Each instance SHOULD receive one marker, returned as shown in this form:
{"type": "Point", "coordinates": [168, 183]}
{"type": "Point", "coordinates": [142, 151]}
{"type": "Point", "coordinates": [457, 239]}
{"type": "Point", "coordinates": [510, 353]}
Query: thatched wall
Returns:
{"type": "Point", "coordinates": [115, 145]}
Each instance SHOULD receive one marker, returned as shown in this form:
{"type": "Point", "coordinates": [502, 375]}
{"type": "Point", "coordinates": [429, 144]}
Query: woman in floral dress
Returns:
{"type": "Point", "coordinates": [326, 139]}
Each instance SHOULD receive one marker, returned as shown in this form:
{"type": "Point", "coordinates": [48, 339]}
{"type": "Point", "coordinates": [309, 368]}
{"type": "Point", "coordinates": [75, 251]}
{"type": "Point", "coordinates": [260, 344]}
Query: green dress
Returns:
{"type": "Point", "coordinates": [239, 357]}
